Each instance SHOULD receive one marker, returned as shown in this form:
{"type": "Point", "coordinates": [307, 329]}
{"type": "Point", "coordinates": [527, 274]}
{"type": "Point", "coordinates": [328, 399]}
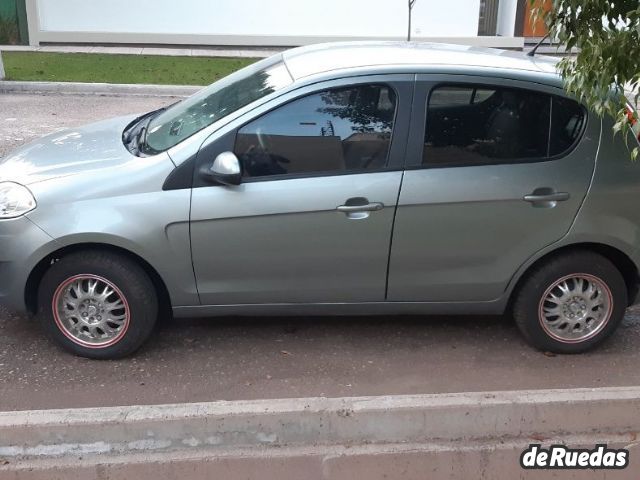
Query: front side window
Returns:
{"type": "Point", "coordinates": [338, 130]}
{"type": "Point", "coordinates": [476, 125]}
{"type": "Point", "coordinates": [215, 102]}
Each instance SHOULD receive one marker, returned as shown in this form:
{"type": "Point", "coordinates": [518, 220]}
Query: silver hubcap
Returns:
{"type": "Point", "coordinates": [575, 308]}
{"type": "Point", "coordinates": [91, 311]}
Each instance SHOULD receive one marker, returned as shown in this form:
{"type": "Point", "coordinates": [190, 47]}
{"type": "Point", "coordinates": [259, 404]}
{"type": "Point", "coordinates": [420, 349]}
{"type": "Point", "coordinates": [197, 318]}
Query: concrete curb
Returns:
{"type": "Point", "coordinates": [451, 436]}
{"type": "Point", "coordinates": [171, 51]}
{"type": "Point", "coordinates": [76, 88]}
{"type": "Point", "coordinates": [436, 461]}
{"type": "Point", "coordinates": [417, 419]}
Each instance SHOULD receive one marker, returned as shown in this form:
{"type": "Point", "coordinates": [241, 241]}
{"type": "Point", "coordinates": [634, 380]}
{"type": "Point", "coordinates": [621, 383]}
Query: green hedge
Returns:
{"type": "Point", "coordinates": [9, 31]}
{"type": "Point", "coordinates": [9, 10]}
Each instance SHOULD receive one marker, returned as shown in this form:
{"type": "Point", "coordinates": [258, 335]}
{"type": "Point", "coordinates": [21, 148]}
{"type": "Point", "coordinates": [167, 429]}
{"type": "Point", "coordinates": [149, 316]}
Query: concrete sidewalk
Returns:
{"type": "Point", "coordinates": [97, 89]}
{"type": "Point", "coordinates": [466, 435]}
{"type": "Point", "coordinates": [175, 51]}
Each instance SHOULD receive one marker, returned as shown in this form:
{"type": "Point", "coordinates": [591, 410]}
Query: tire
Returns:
{"type": "Point", "coordinates": [97, 326]}
{"type": "Point", "coordinates": [591, 299]}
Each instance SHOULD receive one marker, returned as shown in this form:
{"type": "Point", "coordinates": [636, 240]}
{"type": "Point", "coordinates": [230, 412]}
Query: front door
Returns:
{"type": "Point", "coordinates": [498, 171]}
{"type": "Point", "coordinates": [312, 219]}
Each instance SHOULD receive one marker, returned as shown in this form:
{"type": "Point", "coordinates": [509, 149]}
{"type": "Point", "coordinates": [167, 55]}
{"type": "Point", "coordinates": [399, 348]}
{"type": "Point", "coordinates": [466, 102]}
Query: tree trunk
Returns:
{"type": "Point", "coordinates": [409, 29]}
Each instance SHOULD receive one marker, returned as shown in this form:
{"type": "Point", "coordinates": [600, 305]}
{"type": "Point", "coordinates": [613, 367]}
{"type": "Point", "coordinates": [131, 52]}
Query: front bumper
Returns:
{"type": "Point", "coordinates": [22, 245]}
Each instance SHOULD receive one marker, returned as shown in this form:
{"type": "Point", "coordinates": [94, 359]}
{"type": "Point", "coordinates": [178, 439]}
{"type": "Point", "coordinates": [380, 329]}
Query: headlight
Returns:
{"type": "Point", "coordinates": [15, 200]}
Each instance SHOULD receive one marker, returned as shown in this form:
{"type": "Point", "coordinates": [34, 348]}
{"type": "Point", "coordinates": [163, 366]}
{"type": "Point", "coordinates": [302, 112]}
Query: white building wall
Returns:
{"type": "Point", "coordinates": [249, 22]}
{"type": "Point", "coordinates": [224, 17]}
{"type": "Point", "coordinates": [443, 18]}
{"type": "Point", "coordinates": [506, 17]}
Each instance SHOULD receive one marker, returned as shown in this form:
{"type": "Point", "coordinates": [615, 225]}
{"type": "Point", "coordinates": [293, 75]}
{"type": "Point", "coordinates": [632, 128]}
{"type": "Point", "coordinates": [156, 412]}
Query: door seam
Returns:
{"type": "Point", "coordinates": [395, 211]}
{"type": "Point", "coordinates": [193, 266]}
{"type": "Point", "coordinates": [393, 226]}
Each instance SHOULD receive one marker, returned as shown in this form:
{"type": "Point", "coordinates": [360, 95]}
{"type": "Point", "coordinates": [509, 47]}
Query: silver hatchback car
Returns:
{"type": "Point", "coordinates": [354, 178]}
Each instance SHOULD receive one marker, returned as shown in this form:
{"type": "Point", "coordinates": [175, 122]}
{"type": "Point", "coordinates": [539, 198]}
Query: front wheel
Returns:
{"type": "Point", "coordinates": [97, 304]}
{"type": "Point", "coordinates": [571, 303]}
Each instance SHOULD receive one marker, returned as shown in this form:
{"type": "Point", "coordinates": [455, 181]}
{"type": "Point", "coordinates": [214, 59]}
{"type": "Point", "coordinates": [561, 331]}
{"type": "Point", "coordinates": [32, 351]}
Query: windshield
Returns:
{"type": "Point", "coordinates": [215, 102]}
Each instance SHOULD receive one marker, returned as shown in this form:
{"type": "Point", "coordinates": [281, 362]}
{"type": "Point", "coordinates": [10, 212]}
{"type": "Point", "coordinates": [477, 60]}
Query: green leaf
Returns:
{"type": "Point", "coordinates": [607, 35]}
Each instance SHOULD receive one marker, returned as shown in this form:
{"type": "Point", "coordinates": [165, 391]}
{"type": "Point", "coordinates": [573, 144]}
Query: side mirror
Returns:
{"type": "Point", "coordinates": [225, 169]}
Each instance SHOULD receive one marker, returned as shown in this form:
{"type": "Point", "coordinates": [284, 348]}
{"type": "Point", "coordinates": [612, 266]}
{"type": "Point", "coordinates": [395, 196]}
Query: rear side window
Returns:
{"type": "Point", "coordinates": [333, 131]}
{"type": "Point", "coordinates": [479, 125]}
{"type": "Point", "coordinates": [459, 95]}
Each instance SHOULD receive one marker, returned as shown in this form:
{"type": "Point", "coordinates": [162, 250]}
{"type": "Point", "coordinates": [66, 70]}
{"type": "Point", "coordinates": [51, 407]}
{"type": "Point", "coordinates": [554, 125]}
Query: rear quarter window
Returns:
{"type": "Point", "coordinates": [567, 122]}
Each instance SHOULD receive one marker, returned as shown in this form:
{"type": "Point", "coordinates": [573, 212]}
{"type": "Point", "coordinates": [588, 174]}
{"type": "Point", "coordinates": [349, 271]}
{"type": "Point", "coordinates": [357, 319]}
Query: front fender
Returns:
{"type": "Point", "coordinates": [127, 210]}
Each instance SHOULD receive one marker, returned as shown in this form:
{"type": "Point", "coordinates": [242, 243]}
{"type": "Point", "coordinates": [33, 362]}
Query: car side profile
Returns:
{"type": "Point", "coordinates": [340, 179]}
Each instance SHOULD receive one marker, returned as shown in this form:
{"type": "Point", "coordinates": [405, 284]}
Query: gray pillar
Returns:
{"type": "Point", "coordinates": [1, 67]}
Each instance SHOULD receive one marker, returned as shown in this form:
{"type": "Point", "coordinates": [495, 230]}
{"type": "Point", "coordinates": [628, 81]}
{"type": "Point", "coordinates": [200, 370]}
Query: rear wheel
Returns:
{"type": "Point", "coordinates": [97, 304]}
{"type": "Point", "coordinates": [571, 303]}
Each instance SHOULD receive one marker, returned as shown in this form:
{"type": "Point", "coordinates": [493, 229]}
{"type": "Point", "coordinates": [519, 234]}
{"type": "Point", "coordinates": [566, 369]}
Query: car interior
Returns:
{"type": "Point", "coordinates": [501, 124]}
{"type": "Point", "coordinates": [336, 130]}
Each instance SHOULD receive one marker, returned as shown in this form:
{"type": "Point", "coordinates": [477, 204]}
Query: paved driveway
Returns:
{"type": "Point", "coordinates": [25, 117]}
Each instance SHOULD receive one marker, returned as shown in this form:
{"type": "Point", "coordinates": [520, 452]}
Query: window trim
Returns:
{"type": "Point", "coordinates": [295, 176]}
{"type": "Point", "coordinates": [517, 161]}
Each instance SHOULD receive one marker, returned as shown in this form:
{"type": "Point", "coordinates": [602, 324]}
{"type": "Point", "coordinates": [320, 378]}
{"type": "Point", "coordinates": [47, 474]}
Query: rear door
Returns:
{"type": "Point", "coordinates": [497, 170]}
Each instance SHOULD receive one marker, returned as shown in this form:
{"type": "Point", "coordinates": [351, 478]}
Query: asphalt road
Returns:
{"type": "Point", "coordinates": [249, 358]}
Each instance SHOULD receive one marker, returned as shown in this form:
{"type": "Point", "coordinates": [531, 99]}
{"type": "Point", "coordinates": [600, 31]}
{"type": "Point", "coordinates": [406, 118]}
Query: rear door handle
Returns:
{"type": "Point", "coordinates": [369, 207]}
{"type": "Point", "coordinates": [546, 197]}
{"type": "Point", "coordinates": [552, 197]}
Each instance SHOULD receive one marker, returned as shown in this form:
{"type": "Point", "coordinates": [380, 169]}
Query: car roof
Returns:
{"type": "Point", "coordinates": [421, 57]}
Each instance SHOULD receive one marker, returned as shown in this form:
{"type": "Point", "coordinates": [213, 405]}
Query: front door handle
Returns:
{"type": "Point", "coordinates": [359, 208]}
{"type": "Point", "coordinates": [552, 197]}
{"type": "Point", "coordinates": [369, 207]}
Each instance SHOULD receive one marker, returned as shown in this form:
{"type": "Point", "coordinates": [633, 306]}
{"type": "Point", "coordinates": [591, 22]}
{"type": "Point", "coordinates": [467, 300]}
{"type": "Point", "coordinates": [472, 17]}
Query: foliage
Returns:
{"type": "Point", "coordinates": [361, 111]}
{"type": "Point", "coordinates": [9, 34]}
{"type": "Point", "coordinates": [607, 34]}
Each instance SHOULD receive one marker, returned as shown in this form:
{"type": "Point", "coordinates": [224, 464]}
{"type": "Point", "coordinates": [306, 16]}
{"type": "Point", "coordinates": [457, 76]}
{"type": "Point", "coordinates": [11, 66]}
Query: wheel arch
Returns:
{"type": "Point", "coordinates": [620, 260]}
{"type": "Point", "coordinates": [37, 273]}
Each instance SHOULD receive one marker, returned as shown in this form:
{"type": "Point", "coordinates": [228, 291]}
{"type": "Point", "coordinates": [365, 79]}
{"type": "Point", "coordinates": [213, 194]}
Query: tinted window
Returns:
{"type": "Point", "coordinates": [496, 125]}
{"type": "Point", "coordinates": [481, 94]}
{"type": "Point", "coordinates": [459, 95]}
{"type": "Point", "coordinates": [567, 120]}
{"type": "Point", "coordinates": [451, 96]}
{"type": "Point", "coordinates": [339, 130]}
